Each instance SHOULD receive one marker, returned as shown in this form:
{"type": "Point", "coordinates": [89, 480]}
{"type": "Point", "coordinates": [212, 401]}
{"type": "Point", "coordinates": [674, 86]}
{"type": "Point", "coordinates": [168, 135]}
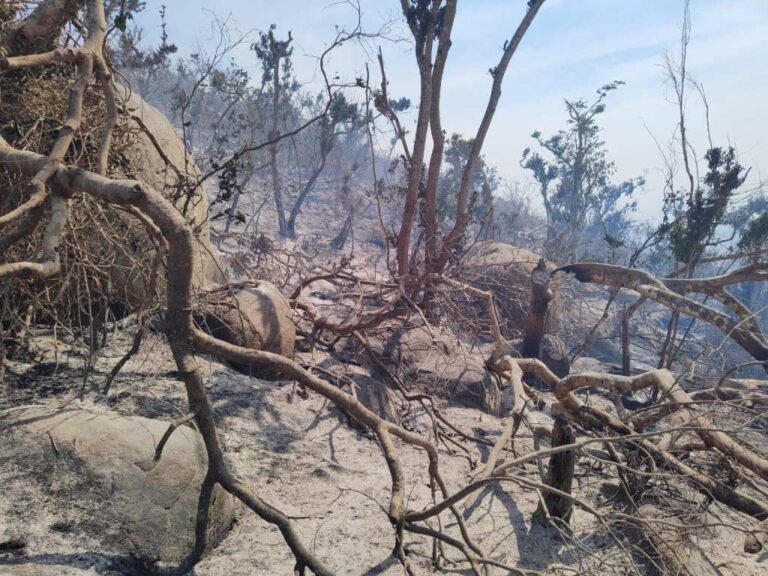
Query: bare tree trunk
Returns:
{"type": "Point", "coordinates": [233, 208]}
{"type": "Point", "coordinates": [462, 209]}
{"type": "Point", "coordinates": [274, 133]}
{"type": "Point", "coordinates": [626, 360]}
{"type": "Point", "coordinates": [626, 353]}
{"type": "Point", "coordinates": [424, 43]}
{"type": "Point", "coordinates": [438, 136]}
{"type": "Point", "coordinates": [487, 231]}
{"type": "Point", "coordinates": [308, 187]}
{"type": "Point", "coordinates": [341, 238]}
{"type": "Point", "coordinates": [423, 19]}
{"type": "Point", "coordinates": [665, 353]}
{"type": "Point", "coordinates": [39, 31]}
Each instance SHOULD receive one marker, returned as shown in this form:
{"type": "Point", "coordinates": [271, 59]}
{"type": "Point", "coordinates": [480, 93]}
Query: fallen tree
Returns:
{"type": "Point", "coordinates": [671, 292]}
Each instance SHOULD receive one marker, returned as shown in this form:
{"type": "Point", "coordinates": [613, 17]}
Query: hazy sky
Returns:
{"type": "Point", "coordinates": [572, 48]}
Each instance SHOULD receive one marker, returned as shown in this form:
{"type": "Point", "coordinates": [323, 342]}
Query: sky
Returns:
{"type": "Point", "coordinates": [572, 48]}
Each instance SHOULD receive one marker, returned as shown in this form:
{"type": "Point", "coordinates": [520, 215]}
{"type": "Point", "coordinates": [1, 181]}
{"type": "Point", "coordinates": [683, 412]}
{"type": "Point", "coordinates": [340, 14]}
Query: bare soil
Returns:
{"type": "Point", "coordinates": [300, 454]}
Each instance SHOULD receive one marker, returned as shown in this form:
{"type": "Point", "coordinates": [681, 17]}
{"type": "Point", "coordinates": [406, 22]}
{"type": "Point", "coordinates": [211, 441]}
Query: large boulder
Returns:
{"type": "Point", "coordinates": [107, 255]}
{"type": "Point", "coordinates": [255, 316]}
{"type": "Point", "coordinates": [102, 465]}
{"type": "Point", "coordinates": [437, 362]}
{"type": "Point", "coordinates": [505, 271]}
{"type": "Point", "coordinates": [157, 157]}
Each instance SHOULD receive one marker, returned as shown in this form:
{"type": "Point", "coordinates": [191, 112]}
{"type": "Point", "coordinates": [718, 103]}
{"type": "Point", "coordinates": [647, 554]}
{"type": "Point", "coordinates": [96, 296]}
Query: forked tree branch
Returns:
{"type": "Point", "coordinates": [669, 293]}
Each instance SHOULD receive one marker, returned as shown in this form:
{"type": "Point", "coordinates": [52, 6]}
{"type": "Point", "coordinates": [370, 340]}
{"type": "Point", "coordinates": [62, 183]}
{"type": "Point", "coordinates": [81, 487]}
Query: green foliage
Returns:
{"type": "Point", "coordinates": [341, 113]}
{"type": "Point", "coordinates": [421, 17]}
{"type": "Point", "coordinates": [756, 234]}
{"type": "Point", "coordinates": [400, 105]}
{"type": "Point", "coordinates": [574, 178]}
{"type": "Point", "coordinates": [692, 218]}
{"type": "Point", "coordinates": [124, 10]}
{"type": "Point", "coordinates": [127, 51]}
{"type": "Point", "coordinates": [272, 53]}
{"type": "Point", "coordinates": [484, 181]}
{"type": "Point", "coordinates": [752, 222]}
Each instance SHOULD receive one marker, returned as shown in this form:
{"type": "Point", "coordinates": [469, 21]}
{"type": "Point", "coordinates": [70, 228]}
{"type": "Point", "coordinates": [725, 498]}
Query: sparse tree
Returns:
{"type": "Point", "coordinates": [343, 117]}
{"type": "Point", "coordinates": [431, 25]}
{"type": "Point", "coordinates": [275, 57]}
{"type": "Point", "coordinates": [575, 184]}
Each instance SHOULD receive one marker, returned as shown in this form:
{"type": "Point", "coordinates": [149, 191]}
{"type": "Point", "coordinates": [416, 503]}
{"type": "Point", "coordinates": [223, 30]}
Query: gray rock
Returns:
{"type": "Point", "coordinates": [375, 396]}
{"type": "Point", "coordinates": [440, 364]}
{"type": "Point", "coordinates": [152, 169]}
{"type": "Point", "coordinates": [258, 317]}
{"type": "Point", "coordinates": [135, 506]}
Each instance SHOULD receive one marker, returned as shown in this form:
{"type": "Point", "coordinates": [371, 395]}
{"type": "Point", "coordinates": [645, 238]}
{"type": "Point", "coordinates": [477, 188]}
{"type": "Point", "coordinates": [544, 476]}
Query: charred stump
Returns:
{"type": "Point", "coordinates": [535, 322]}
{"type": "Point", "coordinates": [560, 477]}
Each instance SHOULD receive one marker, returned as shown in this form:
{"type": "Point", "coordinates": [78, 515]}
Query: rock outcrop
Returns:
{"type": "Point", "coordinates": [157, 157]}
{"type": "Point", "coordinates": [103, 464]}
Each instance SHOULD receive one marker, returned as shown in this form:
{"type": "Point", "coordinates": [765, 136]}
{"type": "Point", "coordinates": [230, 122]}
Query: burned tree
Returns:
{"type": "Point", "coordinates": [275, 57]}
{"type": "Point", "coordinates": [535, 322]}
{"type": "Point", "coordinates": [431, 24]}
{"type": "Point", "coordinates": [342, 117]}
{"type": "Point", "coordinates": [556, 506]}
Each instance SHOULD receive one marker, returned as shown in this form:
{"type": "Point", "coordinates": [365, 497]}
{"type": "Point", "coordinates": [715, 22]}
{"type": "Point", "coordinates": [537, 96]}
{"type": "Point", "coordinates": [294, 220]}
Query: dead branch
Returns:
{"type": "Point", "coordinates": [744, 331]}
{"type": "Point", "coordinates": [167, 436]}
{"type": "Point", "coordinates": [498, 72]}
{"type": "Point", "coordinates": [512, 372]}
{"type": "Point", "coordinates": [710, 435]}
{"type": "Point", "coordinates": [667, 546]}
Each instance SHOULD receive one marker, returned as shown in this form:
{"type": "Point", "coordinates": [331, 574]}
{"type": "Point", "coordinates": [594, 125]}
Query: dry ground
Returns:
{"type": "Point", "coordinates": [301, 455]}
